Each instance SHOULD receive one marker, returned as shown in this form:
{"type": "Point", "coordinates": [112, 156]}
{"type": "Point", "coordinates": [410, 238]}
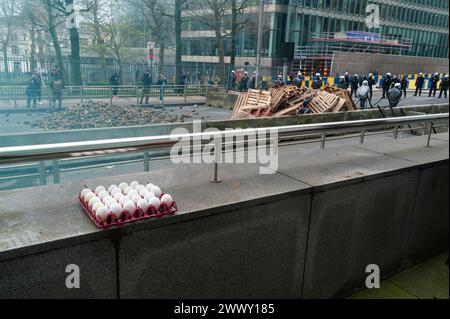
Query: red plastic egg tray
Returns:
{"type": "Point", "coordinates": [126, 218]}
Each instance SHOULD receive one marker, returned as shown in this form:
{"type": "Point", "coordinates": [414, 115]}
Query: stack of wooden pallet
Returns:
{"type": "Point", "coordinates": [290, 100]}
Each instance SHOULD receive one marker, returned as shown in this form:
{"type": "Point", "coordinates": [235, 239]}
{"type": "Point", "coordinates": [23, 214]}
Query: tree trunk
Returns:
{"type": "Point", "coordinates": [162, 50]}
{"type": "Point", "coordinates": [33, 65]}
{"type": "Point", "coordinates": [55, 40]}
{"type": "Point", "coordinates": [178, 42]}
{"type": "Point", "coordinates": [74, 49]}
{"type": "Point", "coordinates": [234, 13]}
{"type": "Point", "coordinates": [221, 49]}
{"type": "Point", "coordinates": [5, 50]}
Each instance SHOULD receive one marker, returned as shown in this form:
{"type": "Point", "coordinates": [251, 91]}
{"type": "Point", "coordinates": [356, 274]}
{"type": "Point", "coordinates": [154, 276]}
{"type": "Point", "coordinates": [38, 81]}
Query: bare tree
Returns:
{"type": "Point", "coordinates": [213, 13]}
{"type": "Point", "coordinates": [7, 13]}
{"type": "Point", "coordinates": [157, 16]}
{"type": "Point", "coordinates": [238, 21]}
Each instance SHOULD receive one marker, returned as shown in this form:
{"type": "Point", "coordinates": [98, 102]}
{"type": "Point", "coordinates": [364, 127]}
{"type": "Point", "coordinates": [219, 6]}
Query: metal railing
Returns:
{"type": "Point", "coordinates": [62, 153]}
{"type": "Point", "coordinates": [82, 93]}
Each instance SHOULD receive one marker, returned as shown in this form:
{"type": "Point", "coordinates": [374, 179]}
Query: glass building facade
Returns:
{"type": "Point", "coordinates": [423, 23]}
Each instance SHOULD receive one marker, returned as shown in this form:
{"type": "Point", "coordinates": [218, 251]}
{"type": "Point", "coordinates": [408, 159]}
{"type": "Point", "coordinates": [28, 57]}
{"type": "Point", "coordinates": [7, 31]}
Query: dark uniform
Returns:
{"type": "Point", "coordinates": [355, 84]}
{"type": "Point", "coordinates": [146, 83]}
{"type": "Point", "coordinates": [32, 90]}
{"type": "Point", "coordinates": [444, 87]}
{"type": "Point", "coordinates": [243, 85]}
{"type": "Point", "coordinates": [372, 82]}
{"type": "Point", "coordinates": [342, 85]}
{"type": "Point", "coordinates": [404, 84]}
{"type": "Point", "coordinates": [387, 84]}
{"type": "Point", "coordinates": [317, 83]}
{"type": "Point", "coordinates": [434, 85]}
{"type": "Point", "coordinates": [419, 85]}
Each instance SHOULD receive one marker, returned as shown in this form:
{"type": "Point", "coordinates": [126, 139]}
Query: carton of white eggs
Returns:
{"type": "Point", "coordinates": [120, 204]}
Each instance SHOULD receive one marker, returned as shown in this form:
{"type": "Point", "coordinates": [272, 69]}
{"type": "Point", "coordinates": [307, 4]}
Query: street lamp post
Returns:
{"type": "Point", "coordinates": [259, 45]}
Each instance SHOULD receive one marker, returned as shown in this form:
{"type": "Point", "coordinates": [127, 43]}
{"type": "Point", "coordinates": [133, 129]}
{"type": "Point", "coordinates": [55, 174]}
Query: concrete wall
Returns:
{"type": "Point", "coordinates": [306, 232]}
{"type": "Point", "coordinates": [360, 63]}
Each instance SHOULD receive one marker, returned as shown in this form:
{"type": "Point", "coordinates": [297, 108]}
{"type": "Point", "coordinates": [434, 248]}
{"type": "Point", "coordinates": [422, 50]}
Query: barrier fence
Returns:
{"type": "Point", "coordinates": [82, 93]}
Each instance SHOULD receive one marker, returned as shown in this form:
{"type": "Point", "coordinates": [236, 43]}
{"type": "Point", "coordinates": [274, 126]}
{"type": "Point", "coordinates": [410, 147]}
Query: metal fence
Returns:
{"type": "Point", "coordinates": [95, 71]}
{"type": "Point", "coordinates": [14, 94]}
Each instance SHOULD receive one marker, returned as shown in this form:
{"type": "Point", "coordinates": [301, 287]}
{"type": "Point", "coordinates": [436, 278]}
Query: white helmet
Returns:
{"type": "Point", "coordinates": [317, 74]}
{"type": "Point", "coordinates": [389, 74]}
{"type": "Point", "coordinates": [246, 73]}
{"type": "Point", "coordinates": [366, 83]}
{"type": "Point", "coordinates": [398, 85]}
{"type": "Point", "coordinates": [446, 76]}
{"type": "Point", "coordinates": [342, 77]}
{"type": "Point", "coordinates": [421, 73]}
{"type": "Point", "coordinates": [370, 74]}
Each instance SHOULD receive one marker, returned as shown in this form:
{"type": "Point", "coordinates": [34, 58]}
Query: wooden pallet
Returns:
{"type": "Point", "coordinates": [323, 102]}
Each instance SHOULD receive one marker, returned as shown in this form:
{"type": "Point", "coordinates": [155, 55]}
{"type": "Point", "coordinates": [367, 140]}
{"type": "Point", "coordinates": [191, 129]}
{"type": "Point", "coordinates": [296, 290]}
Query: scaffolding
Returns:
{"type": "Point", "coordinates": [317, 55]}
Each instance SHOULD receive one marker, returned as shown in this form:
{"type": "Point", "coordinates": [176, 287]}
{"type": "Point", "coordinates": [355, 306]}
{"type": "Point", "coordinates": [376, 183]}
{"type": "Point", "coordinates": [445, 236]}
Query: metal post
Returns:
{"type": "Point", "coordinates": [15, 97]}
{"type": "Point", "coordinates": [185, 94]}
{"type": "Point", "coordinates": [42, 173]}
{"type": "Point", "coordinates": [363, 135]}
{"type": "Point", "coordinates": [110, 96]}
{"type": "Point", "coordinates": [323, 141]}
{"type": "Point", "coordinates": [218, 157]}
{"type": "Point", "coordinates": [81, 94]}
{"type": "Point", "coordinates": [56, 172]}
{"type": "Point", "coordinates": [429, 135]}
{"type": "Point", "coordinates": [396, 133]}
{"type": "Point", "coordinates": [259, 44]}
{"type": "Point", "coordinates": [146, 161]}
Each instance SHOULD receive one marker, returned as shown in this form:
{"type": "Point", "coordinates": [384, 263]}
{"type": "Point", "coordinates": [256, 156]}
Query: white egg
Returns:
{"type": "Point", "coordinates": [143, 204]}
{"type": "Point", "coordinates": [149, 186]}
{"type": "Point", "coordinates": [84, 192]}
{"type": "Point", "coordinates": [107, 198]}
{"type": "Point", "coordinates": [144, 191]}
{"type": "Point", "coordinates": [155, 202]}
{"type": "Point", "coordinates": [149, 196]}
{"type": "Point", "coordinates": [134, 184]}
{"type": "Point", "coordinates": [116, 209]}
{"type": "Point", "coordinates": [103, 194]}
{"type": "Point", "coordinates": [93, 201]}
{"type": "Point", "coordinates": [123, 200]}
{"type": "Point", "coordinates": [136, 199]}
{"type": "Point", "coordinates": [130, 207]}
{"type": "Point", "coordinates": [167, 199]}
{"type": "Point", "coordinates": [110, 188]}
{"type": "Point", "coordinates": [110, 202]}
{"type": "Point", "coordinates": [115, 191]}
{"type": "Point", "coordinates": [122, 186]}
{"type": "Point", "coordinates": [127, 190]}
{"type": "Point", "coordinates": [97, 206]}
{"type": "Point", "coordinates": [102, 213]}
{"type": "Point", "coordinates": [99, 189]}
{"type": "Point", "coordinates": [89, 196]}
{"type": "Point", "coordinates": [132, 194]}
{"type": "Point", "coordinates": [118, 196]}
{"type": "Point", "coordinates": [139, 188]}
{"type": "Point", "coordinates": [157, 191]}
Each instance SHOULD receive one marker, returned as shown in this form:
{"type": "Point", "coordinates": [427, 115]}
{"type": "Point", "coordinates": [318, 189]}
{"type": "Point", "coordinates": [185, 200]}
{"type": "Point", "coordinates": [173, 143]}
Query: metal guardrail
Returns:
{"type": "Point", "coordinates": [61, 153]}
{"type": "Point", "coordinates": [18, 93]}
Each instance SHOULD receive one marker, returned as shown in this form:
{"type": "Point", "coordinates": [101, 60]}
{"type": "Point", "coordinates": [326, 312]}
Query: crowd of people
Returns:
{"type": "Point", "coordinates": [361, 87]}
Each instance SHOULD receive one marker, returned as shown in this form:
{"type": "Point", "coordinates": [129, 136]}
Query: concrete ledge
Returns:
{"type": "Point", "coordinates": [341, 208]}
